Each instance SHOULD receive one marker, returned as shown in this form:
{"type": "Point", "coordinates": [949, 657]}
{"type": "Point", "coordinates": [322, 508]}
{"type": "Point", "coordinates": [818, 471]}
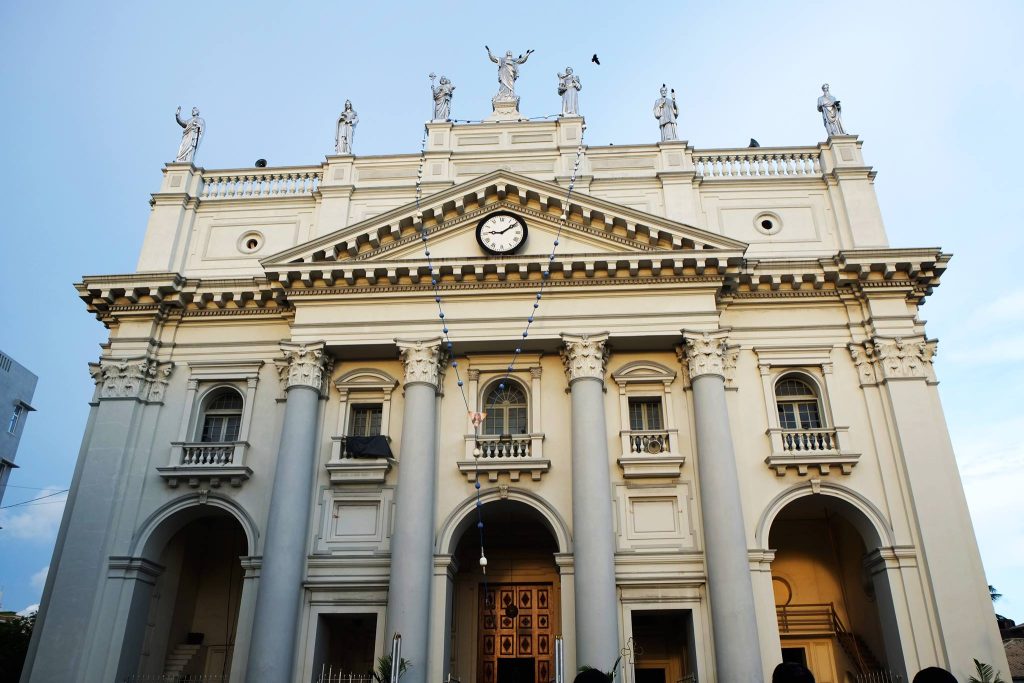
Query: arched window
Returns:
{"type": "Point", "coordinates": [222, 417]}
{"type": "Point", "coordinates": [798, 404]}
{"type": "Point", "coordinates": [506, 409]}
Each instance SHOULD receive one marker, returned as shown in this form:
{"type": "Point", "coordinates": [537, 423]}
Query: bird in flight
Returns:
{"type": "Point", "coordinates": [595, 60]}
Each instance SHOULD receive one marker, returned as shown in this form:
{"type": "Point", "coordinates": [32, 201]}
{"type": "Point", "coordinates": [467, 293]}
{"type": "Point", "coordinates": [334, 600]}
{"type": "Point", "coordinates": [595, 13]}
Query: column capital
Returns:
{"type": "Point", "coordinates": [304, 365]}
{"type": "Point", "coordinates": [423, 360]}
{"type": "Point", "coordinates": [141, 377]}
{"type": "Point", "coordinates": [883, 358]}
{"type": "Point", "coordinates": [704, 353]}
{"type": "Point", "coordinates": [585, 355]}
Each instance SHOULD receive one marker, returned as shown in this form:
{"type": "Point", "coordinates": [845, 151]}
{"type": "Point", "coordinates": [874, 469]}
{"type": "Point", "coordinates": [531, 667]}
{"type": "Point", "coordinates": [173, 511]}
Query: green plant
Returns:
{"type": "Point", "coordinates": [383, 672]}
{"type": "Point", "coordinates": [986, 674]}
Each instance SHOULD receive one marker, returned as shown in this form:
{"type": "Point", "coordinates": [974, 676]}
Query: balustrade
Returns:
{"type": "Point", "coordinates": [213, 462]}
{"type": "Point", "coordinates": [809, 440]}
{"type": "Point", "coordinates": [259, 184]}
{"type": "Point", "coordinates": [504, 446]}
{"type": "Point", "coordinates": [648, 442]}
{"type": "Point", "coordinates": [758, 163]}
{"type": "Point", "coordinates": [207, 455]}
{"type": "Point", "coordinates": [514, 455]}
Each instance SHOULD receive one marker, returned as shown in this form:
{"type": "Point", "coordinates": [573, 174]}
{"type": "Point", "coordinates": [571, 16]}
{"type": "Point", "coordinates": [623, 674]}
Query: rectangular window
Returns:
{"type": "Point", "coordinates": [799, 415]}
{"type": "Point", "coordinates": [645, 414]}
{"type": "Point", "coordinates": [787, 416]}
{"type": "Point", "coordinates": [365, 418]}
{"type": "Point", "coordinates": [221, 428]}
{"type": "Point", "coordinates": [19, 410]}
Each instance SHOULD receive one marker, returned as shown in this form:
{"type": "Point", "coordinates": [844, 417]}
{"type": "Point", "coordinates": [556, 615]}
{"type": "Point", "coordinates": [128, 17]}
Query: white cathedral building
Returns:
{"type": "Point", "coordinates": [653, 403]}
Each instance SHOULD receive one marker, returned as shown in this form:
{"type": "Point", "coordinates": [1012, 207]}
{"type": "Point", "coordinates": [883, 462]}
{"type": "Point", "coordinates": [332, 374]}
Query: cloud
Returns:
{"type": "Point", "coordinates": [29, 610]}
{"type": "Point", "coordinates": [39, 578]}
{"type": "Point", "coordinates": [35, 521]}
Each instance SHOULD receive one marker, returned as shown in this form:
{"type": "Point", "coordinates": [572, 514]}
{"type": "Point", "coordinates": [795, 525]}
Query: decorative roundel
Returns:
{"type": "Point", "coordinates": [501, 233]}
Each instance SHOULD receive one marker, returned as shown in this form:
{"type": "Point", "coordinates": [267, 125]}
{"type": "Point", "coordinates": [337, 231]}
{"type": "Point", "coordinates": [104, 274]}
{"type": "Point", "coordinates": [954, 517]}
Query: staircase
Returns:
{"type": "Point", "coordinates": [179, 658]}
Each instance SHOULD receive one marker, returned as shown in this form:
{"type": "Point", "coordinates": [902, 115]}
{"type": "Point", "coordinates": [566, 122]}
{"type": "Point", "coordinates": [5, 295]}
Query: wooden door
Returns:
{"type": "Point", "coordinates": [516, 622]}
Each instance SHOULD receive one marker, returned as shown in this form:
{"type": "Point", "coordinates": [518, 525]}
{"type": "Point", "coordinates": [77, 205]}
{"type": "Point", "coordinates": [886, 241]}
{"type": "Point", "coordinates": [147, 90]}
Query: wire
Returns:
{"type": "Point", "coordinates": [31, 500]}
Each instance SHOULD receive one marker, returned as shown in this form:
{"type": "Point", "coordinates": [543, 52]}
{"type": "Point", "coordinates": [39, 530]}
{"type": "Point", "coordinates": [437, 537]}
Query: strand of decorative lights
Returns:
{"type": "Point", "coordinates": [435, 283]}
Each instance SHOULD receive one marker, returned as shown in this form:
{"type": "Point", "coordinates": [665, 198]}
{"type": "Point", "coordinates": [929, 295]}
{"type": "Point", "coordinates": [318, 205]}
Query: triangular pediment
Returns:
{"type": "Point", "coordinates": [450, 217]}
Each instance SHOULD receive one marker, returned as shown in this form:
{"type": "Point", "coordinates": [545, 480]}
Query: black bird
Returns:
{"type": "Point", "coordinates": [754, 143]}
{"type": "Point", "coordinates": [595, 60]}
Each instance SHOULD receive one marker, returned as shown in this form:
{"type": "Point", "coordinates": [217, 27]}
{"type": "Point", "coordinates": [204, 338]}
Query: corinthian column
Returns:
{"type": "Point", "coordinates": [597, 623]}
{"type": "Point", "coordinates": [412, 545]}
{"type": "Point", "coordinates": [731, 591]}
{"type": "Point", "coordinates": [279, 597]}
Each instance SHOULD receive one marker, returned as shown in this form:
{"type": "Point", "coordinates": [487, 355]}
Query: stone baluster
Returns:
{"type": "Point", "coordinates": [730, 588]}
{"type": "Point", "coordinates": [597, 628]}
{"type": "Point", "coordinates": [279, 598]}
{"type": "Point", "coordinates": [412, 545]}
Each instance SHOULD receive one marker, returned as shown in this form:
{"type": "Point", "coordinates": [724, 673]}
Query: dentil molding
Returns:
{"type": "Point", "coordinates": [883, 358]}
{"type": "Point", "coordinates": [423, 360]}
{"type": "Point", "coordinates": [585, 355]}
{"type": "Point", "coordinates": [705, 353]}
{"type": "Point", "coordinates": [304, 365]}
{"type": "Point", "coordinates": [142, 377]}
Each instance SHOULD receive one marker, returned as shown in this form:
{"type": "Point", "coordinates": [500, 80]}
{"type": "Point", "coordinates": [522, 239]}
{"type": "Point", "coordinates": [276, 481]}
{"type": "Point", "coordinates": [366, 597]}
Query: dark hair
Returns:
{"type": "Point", "coordinates": [792, 672]}
{"type": "Point", "coordinates": [591, 676]}
{"type": "Point", "coordinates": [934, 674]}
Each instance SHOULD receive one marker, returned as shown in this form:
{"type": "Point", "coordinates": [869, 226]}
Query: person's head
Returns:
{"type": "Point", "coordinates": [568, 70]}
{"type": "Point", "coordinates": [824, 88]}
{"type": "Point", "coordinates": [508, 53]}
{"type": "Point", "coordinates": [934, 674]}
{"type": "Point", "coordinates": [348, 105]}
{"type": "Point", "coordinates": [792, 672]}
{"type": "Point", "coordinates": [664, 90]}
{"type": "Point", "coordinates": [195, 111]}
{"type": "Point", "coordinates": [591, 676]}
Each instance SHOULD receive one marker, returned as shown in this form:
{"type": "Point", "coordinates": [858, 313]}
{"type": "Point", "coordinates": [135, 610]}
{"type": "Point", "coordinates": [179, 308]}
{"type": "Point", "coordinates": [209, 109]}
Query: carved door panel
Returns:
{"type": "Point", "coordinates": [516, 622]}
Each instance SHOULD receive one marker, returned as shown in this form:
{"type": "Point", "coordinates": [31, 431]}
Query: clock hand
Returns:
{"type": "Point", "coordinates": [501, 232]}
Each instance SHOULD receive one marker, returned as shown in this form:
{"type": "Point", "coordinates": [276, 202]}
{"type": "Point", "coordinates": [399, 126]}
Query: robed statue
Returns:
{"type": "Point", "coordinates": [508, 72]}
{"type": "Point", "coordinates": [666, 111]}
{"type": "Point", "coordinates": [190, 136]}
{"type": "Point", "coordinates": [442, 98]}
{"type": "Point", "coordinates": [569, 88]}
{"type": "Point", "coordinates": [347, 121]}
{"type": "Point", "coordinates": [831, 112]}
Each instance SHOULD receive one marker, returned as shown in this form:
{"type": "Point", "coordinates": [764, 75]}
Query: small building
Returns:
{"type": "Point", "coordinates": [17, 385]}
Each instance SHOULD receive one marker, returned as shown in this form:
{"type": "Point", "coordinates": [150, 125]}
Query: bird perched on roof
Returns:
{"type": "Point", "coordinates": [595, 60]}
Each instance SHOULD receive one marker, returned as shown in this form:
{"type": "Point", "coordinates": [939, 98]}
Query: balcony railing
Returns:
{"type": "Point", "coordinates": [650, 453]}
{"type": "Point", "coordinates": [331, 674]}
{"type": "Point", "coordinates": [201, 461]}
{"type": "Point", "coordinates": [646, 442]}
{"type": "Point", "coordinates": [343, 468]}
{"type": "Point", "coordinates": [252, 184]}
{"type": "Point", "coordinates": [512, 454]}
{"type": "Point", "coordinates": [809, 618]}
{"type": "Point", "coordinates": [805, 448]}
{"type": "Point", "coordinates": [176, 678]}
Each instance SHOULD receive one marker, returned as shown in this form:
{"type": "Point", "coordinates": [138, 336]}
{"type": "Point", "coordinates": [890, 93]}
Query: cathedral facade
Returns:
{"type": "Point", "coordinates": [647, 407]}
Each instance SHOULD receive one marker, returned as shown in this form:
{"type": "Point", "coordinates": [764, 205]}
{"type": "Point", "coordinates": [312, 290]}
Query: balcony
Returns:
{"type": "Point", "coordinates": [215, 463]}
{"type": "Point", "coordinates": [650, 453]}
{"type": "Point", "coordinates": [345, 467]}
{"type": "Point", "coordinates": [504, 454]}
{"type": "Point", "coordinates": [803, 449]}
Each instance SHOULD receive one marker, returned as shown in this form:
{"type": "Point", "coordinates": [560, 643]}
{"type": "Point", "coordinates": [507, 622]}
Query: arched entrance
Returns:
{"type": "Point", "coordinates": [828, 610]}
{"type": "Point", "coordinates": [503, 625]}
{"type": "Point", "coordinates": [193, 608]}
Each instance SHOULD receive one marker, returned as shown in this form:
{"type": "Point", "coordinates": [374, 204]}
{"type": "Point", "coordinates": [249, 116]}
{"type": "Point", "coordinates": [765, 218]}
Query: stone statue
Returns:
{"type": "Point", "coordinates": [666, 111]}
{"type": "Point", "coordinates": [508, 72]}
{"type": "Point", "coordinates": [442, 98]}
{"type": "Point", "coordinates": [569, 88]}
{"type": "Point", "coordinates": [831, 112]}
{"type": "Point", "coordinates": [347, 121]}
{"type": "Point", "coordinates": [190, 136]}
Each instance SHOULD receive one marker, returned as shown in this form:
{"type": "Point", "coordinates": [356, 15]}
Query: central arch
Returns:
{"type": "Point", "coordinates": [502, 623]}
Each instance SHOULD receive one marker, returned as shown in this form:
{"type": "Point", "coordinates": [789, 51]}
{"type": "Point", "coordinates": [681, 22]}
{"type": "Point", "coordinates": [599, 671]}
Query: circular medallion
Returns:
{"type": "Point", "coordinates": [501, 233]}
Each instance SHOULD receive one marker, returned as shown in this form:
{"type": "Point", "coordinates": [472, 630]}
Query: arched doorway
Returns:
{"type": "Point", "coordinates": [503, 625]}
{"type": "Point", "coordinates": [826, 602]}
{"type": "Point", "coordinates": [194, 605]}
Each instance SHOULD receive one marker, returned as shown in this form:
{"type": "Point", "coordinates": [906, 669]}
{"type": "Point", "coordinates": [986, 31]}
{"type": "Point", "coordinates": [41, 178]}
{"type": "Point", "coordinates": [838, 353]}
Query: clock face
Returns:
{"type": "Point", "coordinates": [501, 233]}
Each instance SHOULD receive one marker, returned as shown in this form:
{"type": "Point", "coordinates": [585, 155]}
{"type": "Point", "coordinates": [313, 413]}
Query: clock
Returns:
{"type": "Point", "coordinates": [501, 233]}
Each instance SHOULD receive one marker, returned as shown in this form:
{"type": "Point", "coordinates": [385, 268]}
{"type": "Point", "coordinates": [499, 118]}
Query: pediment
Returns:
{"type": "Point", "coordinates": [449, 217]}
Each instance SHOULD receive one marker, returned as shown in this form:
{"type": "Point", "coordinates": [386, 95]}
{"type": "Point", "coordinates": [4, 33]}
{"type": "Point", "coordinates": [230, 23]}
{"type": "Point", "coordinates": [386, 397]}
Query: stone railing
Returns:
{"type": "Point", "coordinates": [512, 454]}
{"type": "Point", "coordinates": [254, 184]}
{"type": "Point", "coordinates": [757, 162]}
{"type": "Point", "coordinates": [213, 462]}
{"type": "Point", "coordinates": [646, 442]}
{"type": "Point", "coordinates": [805, 448]}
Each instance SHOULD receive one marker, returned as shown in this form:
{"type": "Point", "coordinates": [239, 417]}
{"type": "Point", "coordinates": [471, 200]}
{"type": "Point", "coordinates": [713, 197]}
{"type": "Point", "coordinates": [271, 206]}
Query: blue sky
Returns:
{"type": "Point", "coordinates": [90, 90]}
